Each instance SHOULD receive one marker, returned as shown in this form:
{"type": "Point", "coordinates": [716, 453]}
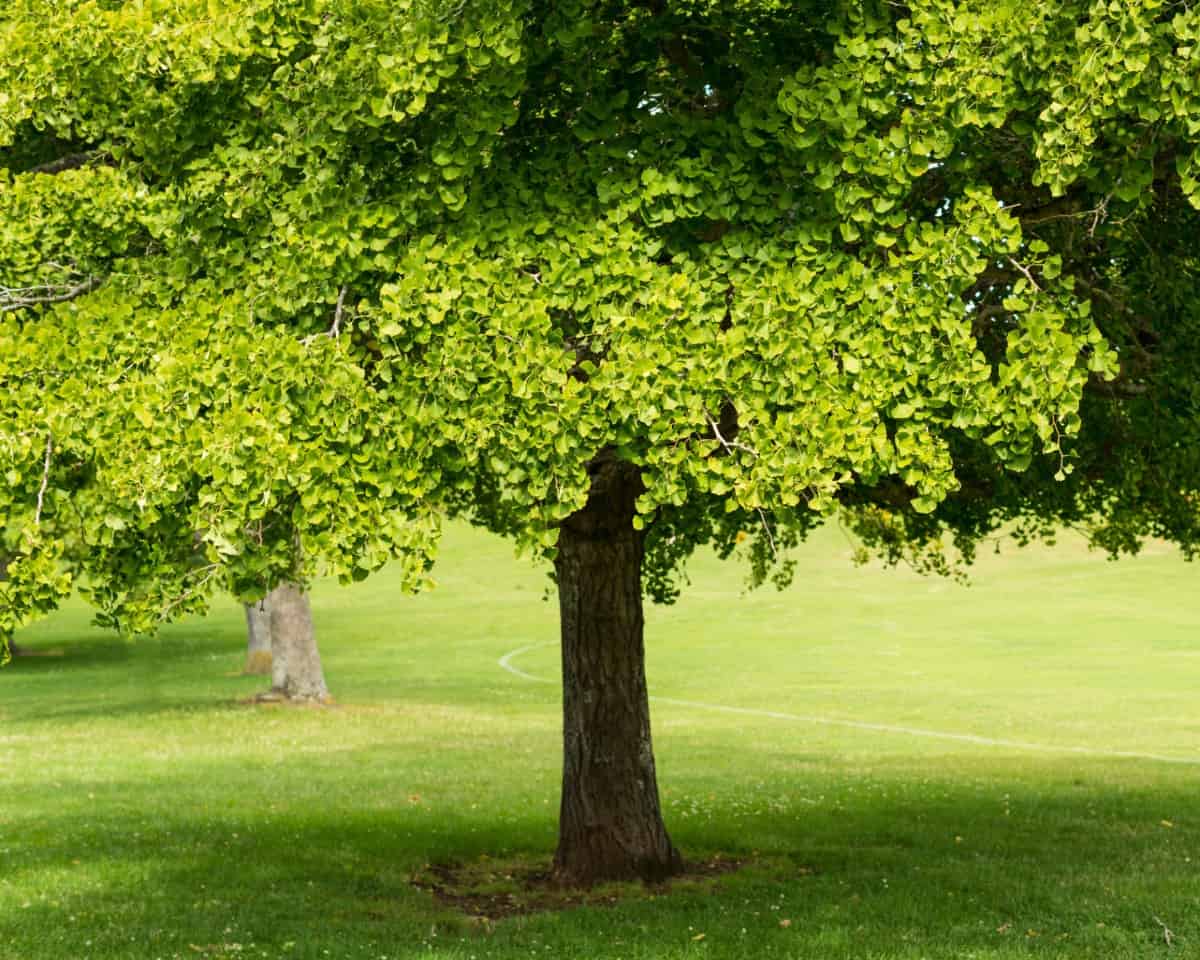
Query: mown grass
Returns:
{"type": "Point", "coordinates": [145, 812]}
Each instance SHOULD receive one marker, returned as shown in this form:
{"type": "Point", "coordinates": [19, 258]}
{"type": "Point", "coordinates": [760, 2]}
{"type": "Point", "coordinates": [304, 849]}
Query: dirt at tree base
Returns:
{"type": "Point", "coordinates": [276, 698]}
{"type": "Point", "coordinates": [490, 890]}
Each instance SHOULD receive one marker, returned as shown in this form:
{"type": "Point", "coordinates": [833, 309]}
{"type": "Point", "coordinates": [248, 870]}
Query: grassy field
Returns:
{"type": "Point", "coordinates": [146, 813]}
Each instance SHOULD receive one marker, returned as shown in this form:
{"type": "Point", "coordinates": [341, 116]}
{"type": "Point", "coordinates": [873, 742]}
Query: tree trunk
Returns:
{"type": "Point", "coordinates": [610, 821]}
{"type": "Point", "coordinates": [258, 632]}
{"type": "Point", "coordinates": [296, 672]}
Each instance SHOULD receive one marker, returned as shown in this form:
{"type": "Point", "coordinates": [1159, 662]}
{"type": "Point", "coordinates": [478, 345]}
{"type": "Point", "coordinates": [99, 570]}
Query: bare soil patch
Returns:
{"type": "Point", "coordinates": [490, 890]}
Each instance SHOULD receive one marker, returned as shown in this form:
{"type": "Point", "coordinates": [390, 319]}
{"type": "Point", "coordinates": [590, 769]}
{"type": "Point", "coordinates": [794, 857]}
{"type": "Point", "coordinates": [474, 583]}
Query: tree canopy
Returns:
{"type": "Point", "coordinates": [396, 243]}
{"type": "Point", "coordinates": [285, 279]}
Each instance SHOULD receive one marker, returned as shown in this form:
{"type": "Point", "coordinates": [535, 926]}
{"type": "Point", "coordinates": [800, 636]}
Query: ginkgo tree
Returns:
{"type": "Point", "coordinates": [616, 279]}
{"type": "Point", "coordinates": [719, 276]}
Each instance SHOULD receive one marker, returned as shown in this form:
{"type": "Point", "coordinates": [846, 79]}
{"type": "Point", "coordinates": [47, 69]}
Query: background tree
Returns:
{"type": "Point", "coordinates": [258, 637]}
{"type": "Point", "coordinates": [126, 230]}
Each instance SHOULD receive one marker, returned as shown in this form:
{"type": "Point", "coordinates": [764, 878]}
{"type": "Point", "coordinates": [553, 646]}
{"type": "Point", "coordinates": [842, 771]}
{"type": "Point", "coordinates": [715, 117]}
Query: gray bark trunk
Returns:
{"type": "Point", "coordinates": [258, 632]}
{"type": "Point", "coordinates": [296, 672]}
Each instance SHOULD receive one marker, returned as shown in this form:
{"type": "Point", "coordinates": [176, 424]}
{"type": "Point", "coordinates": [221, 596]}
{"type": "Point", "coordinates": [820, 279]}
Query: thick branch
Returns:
{"type": "Point", "coordinates": [22, 298]}
{"type": "Point", "coordinates": [1104, 295]}
{"type": "Point", "coordinates": [1118, 389]}
{"type": "Point", "coordinates": [1056, 209]}
{"type": "Point", "coordinates": [72, 161]}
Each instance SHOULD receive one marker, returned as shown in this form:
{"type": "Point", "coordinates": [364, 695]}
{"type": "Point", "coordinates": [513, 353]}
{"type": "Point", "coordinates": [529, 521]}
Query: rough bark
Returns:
{"type": "Point", "coordinates": [610, 819]}
{"type": "Point", "coordinates": [296, 673]}
{"type": "Point", "coordinates": [258, 643]}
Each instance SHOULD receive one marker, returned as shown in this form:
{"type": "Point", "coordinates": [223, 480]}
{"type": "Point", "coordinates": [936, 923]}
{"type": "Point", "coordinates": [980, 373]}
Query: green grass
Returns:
{"type": "Point", "coordinates": [144, 813]}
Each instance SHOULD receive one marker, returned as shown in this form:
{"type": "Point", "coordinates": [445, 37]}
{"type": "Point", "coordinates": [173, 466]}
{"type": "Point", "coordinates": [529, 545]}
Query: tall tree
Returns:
{"type": "Point", "coordinates": [616, 279]}
{"type": "Point", "coordinates": [713, 280]}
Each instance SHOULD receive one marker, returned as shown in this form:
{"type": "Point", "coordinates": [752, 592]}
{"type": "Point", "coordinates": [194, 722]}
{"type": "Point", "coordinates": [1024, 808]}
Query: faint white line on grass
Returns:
{"type": "Point", "coordinates": [505, 663]}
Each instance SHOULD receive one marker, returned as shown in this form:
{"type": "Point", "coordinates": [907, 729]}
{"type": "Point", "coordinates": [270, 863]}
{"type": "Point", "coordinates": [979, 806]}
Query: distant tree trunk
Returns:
{"type": "Point", "coordinates": [296, 672]}
{"type": "Point", "coordinates": [610, 820]}
{"type": "Point", "coordinates": [258, 632]}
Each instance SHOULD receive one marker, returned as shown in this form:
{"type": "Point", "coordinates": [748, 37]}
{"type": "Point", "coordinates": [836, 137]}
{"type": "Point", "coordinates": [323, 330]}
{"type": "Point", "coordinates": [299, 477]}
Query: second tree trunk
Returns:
{"type": "Point", "coordinates": [296, 672]}
{"type": "Point", "coordinates": [610, 820]}
{"type": "Point", "coordinates": [258, 633]}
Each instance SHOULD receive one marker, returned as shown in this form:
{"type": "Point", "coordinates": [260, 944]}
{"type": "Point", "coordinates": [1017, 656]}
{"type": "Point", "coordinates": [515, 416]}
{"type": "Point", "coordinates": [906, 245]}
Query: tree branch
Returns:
{"type": "Point", "coordinates": [72, 161]}
{"type": "Point", "coordinates": [209, 572]}
{"type": "Point", "coordinates": [22, 298]}
{"type": "Point", "coordinates": [37, 517]}
{"type": "Point", "coordinates": [1104, 295]}
{"type": "Point", "coordinates": [1028, 276]}
{"type": "Point", "coordinates": [1057, 209]}
{"type": "Point", "coordinates": [767, 530]}
{"type": "Point", "coordinates": [729, 445]}
{"type": "Point", "coordinates": [335, 329]}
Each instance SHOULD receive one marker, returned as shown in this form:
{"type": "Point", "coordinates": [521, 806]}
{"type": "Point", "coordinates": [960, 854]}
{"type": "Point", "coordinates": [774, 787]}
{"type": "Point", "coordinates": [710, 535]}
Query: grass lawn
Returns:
{"type": "Point", "coordinates": [145, 813]}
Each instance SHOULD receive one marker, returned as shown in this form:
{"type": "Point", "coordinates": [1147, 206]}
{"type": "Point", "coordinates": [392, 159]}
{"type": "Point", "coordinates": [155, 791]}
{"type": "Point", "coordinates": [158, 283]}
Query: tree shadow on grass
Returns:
{"type": "Point", "coordinates": [96, 647]}
{"type": "Point", "coordinates": [296, 854]}
{"type": "Point", "coordinates": [190, 667]}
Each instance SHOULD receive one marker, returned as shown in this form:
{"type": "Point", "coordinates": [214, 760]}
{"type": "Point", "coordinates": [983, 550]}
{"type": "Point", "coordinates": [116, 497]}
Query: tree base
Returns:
{"type": "Point", "coordinates": [282, 697]}
{"type": "Point", "coordinates": [643, 871]}
{"type": "Point", "coordinates": [493, 889]}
